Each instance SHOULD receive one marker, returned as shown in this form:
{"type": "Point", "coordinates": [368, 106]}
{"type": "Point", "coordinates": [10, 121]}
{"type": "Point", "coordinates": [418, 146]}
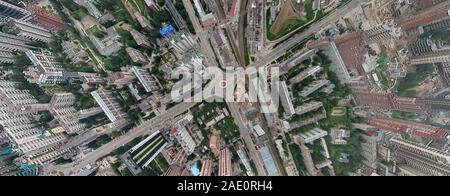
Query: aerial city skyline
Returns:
{"type": "Point", "coordinates": [225, 88]}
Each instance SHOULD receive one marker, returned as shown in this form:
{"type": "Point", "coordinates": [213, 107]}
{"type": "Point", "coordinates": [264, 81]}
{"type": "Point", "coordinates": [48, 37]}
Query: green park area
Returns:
{"type": "Point", "coordinates": [413, 79]}
{"type": "Point", "coordinates": [291, 17]}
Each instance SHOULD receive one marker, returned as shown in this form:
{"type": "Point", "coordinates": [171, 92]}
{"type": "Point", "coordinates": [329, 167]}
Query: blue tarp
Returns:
{"type": "Point", "coordinates": [167, 30]}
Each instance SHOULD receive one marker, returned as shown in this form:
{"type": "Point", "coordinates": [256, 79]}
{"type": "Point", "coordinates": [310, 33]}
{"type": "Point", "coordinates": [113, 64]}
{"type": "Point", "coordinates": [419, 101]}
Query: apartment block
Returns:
{"type": "Point", "coordinates": [47, 70]}
{"type": "Point", "coordinates": [110, 104]}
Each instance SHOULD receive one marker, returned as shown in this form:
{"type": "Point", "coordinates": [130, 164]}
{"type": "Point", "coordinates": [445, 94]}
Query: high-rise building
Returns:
{"type": "Point", "coordinates": [136, 56]}
{"type": "Point", "coordinates": [13, 11]}
{"type": "Point", "coordinates": [313, 87]}
{"type": "Point", "coordinates": [62, 106]}
{"type": "Point", "coordinates": [28, 30]}
{"type": "Point", "coordinates": [110, 104]}
{"type": "Point", "coordinates": [419, 159]}
{"type": "Point", "coordinates": [352, 51]}
{"type": "Point", "coordinates": [37, 146]}
{"type": "Point", "coordinates": [369, 148]}
{"type": "Point", "coordinates": [12, 43]}
{"type": "Point", "coordinates": [179, 21]}
{"type": "Point", "coordinates": [15, 100]}
{"type": "Point", "coordinates": [181, 42]}
{"type": "Point", "coordinates": [408, 127]}
{"type": "Point", "coordinates": [424, 17]}
{"type": "Point", "coordinates": [148, 81]}
{"type": "Point", "coordinates": [206, 167]}
{"type": "Point", "coordinates": [46, 18]}
{"type": "Point", "coordinates": [305, 74]}
{"type": "Point", "coordinates": [184, 137]}
{"type": "Point", "coordinates": [140, 39]}
{"type": "Point", "coordinates": [388, 101]}
{"type": "Point", "coordinates": [50, 70]}
{"type": "Point", "coordinates": [225, 167]}
{"type": "Point", "coordinates": [286, 100]}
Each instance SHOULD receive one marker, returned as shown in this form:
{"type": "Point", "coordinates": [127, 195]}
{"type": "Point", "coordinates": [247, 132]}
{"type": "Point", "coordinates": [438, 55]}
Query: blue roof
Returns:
{"type": "Point", "coordinates": [167, 30]}
{"type": "Point", "coordinates": [269, 163]}
{"type": "Point", "coordinates": [195, 170]}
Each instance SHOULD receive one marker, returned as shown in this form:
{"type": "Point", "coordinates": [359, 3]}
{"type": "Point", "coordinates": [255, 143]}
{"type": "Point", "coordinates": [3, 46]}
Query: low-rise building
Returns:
{"type": "Point", "coordinates": [109, 44]}
{"type": "Point", "coordinates": [74, 52]}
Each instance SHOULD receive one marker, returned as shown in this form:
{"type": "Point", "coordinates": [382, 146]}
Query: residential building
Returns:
{"type": "Point", "coordinates": [308, 107]}
{"type": "Point", "coordinates": [305, 74]}
{"type": "Point", "coordinates": [49, 71]}
{"type": "Point", "coordinates": [214, 145]}
{"type": "Point", "coordinates": [136, 56]}
{"type": "Point", "coordinates": [152, 5]}
{"type": "Point", "coordinates": [148, 81]}
{"type": "Point", "coordinates": [310, 136]}
{"type": "Point", "coordinates": [143, 21]}
{"type": "Point", "coordinates": [369, 148]}
{"type": "Point", "coordinates": [225, 167]}
{"type": "Point", "coordinates": [110, 104]}
{"type": "Point", "coordinates": [90, 6]}
{"type": "Point", "coordinates": [339, 136]}
{"type": "Point", "coordinates": [12, 43]}
{"type": "Point", "coordinates": [74, 52]}
{"type": "Point", "coordinates": [313, 87]}
{"type": "Point", "coordinates": [408, 127]}
{"type": "Point", "coordinates": [121, 78]}
{"type": "Point", "coordinates": [420, 159]}
{"type": "Point", "coordinates": [179, 21]}
{"type": "Point", "coordinates": [206, 167]}
{"type": "Point", "coordinates": [13, 11]}
{"type": "Point", "coordinates": [286, 100]}
{"type": "Point", "coordinates": [46, 18]}
{"type": "Point", "coordinates": [184, 137]}
{"type": "Point", "coordinates": [28, 30]}
{"type": "Point", "coordinates": [62, 106]}
{"type": "Point", "coordinates": [352, 51]}
{"type": "Point", "coordinates": [37, 146]}
{"type": "Point", "coordinates": [7, 57]}
{"type": "Point", "coordinates": [181, 42]}
{"type": "Point", "coordinates": [140, 39]}
{"type": "Point", "coordinates": [108, 45]}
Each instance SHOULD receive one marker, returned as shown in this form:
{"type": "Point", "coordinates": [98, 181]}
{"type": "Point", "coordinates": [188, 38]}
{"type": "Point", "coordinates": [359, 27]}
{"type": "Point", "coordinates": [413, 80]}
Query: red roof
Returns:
{"type": "Point", "coordinates": [352, 50]}
{"type": "Point", "coordinates": [231, 13]}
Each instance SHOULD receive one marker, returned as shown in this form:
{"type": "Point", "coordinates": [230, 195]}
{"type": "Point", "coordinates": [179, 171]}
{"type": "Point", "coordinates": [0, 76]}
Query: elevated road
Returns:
{"type": "Point", "coordinates": [282, 48]}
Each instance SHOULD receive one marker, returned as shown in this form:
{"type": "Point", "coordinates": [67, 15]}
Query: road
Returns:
{"type": "Point", "coordinates": [294, 40]}
{"type": "Point", "coordinates": [201, 33]}
{"type": "Point", "coordinates": [147, 128]}
{"type": "Point", "coordinates": [80, 28]}
{"type": "Point", "coordinates": [245, 135]}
